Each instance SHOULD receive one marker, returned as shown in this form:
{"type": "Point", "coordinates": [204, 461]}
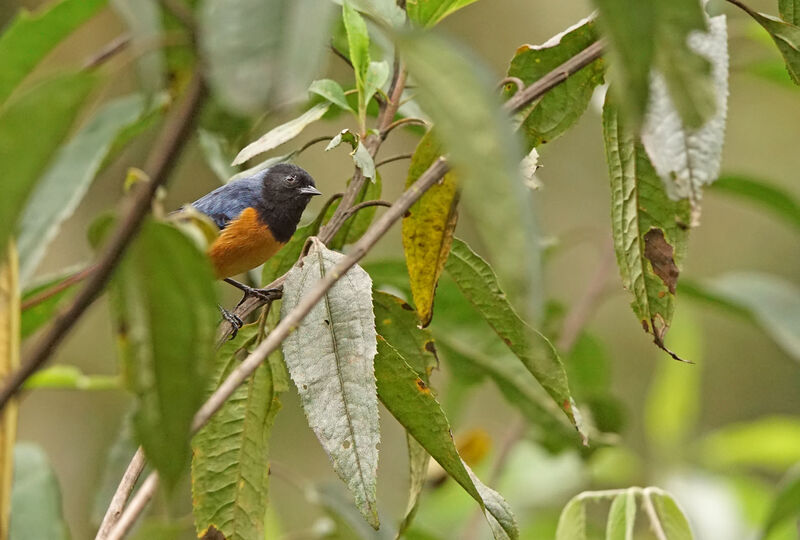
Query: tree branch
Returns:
{"type": "Point", "coordinates": [431, 176]}
{"type": "Point", "coordinates": [393, 158]}
{"type": "Point", "coordinates": [171, 140]}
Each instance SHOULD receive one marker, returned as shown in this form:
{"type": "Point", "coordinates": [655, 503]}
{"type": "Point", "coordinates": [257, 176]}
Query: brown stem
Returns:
{"type": "Point", "coordinates": [122, 493]}
{"type": "Point", "coordinates": [171, 141]}
{"type": "Point", "coordinates": [402, 122]}
{"type": "Point", "coordinates": [393, 158]}
{"type": "Point", "coordinates": [354, 209]}
{"type": "Point", "coordinates": [58, 287]}
{"type": "Point", "coordinates": [107, 52]}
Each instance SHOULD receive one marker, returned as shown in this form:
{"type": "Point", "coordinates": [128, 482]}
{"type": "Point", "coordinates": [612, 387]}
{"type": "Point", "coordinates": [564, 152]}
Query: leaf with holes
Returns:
{"type": "Point", "coordinates": [412, 403]}
{"type": "Point", "coordinates": [330, 359]}
{"type": "Point", "coordinates": [396, 323]}
{"type": "Point", "coordinates": [230, 470]}
{"type": "Point", "coordinates": [165, 358]}
{"type": "Point", "coordinates": [560, 108]}
{"type": "Point", "coordinates": [688, 159]}
{"type": "Point", "coordinates": [428, 228]}
{"type": "Point", "coordinates": [650, 230]}
{"type": "Point", "coordinates": [479, 285]}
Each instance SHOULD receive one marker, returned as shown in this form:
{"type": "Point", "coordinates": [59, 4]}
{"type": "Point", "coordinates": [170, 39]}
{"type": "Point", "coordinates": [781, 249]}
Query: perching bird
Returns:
{"type": "Point", "coordinates": [256, 216]}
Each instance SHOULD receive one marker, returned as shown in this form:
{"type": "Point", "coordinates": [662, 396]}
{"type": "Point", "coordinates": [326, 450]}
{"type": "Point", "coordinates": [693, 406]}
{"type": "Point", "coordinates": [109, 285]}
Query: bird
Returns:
{"type": "Point", "coordinates": [256, 216]}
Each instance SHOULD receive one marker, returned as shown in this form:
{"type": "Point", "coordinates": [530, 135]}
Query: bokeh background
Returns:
{"type": "Point", "coordinates": [739, 373]}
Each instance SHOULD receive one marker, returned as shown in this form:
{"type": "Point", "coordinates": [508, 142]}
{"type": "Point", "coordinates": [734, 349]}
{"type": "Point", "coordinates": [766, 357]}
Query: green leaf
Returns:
{"type": "Point", "coordinates": [786, 503]}
{"type": "Point", "coordinates": [561, 107]}
{"type": "Point", "coordinates": [479, 284]}
{"type": "Point", "coordinates": [650, 230]}
{"type": "Point", "coordinates": [771, 443]}
{"type": "Point", "coordinates": [412, 403]}
{"type": "Point", "coordinates": [9, 362]}
{"type": "Point", "coordinates": [687, 158]}
{"type": "Point", "coordinates": [332, 91]}
{"type": "Point", "coordinates": [772, 302]}
{"type": "Point", "coordinates": [37, 316]}
{"type": "Point", "coordinates": [67, 179]}
{"type": "Point", "coordinates": [779, 201]}
{"type": "Point", "coordinates": [36, 498]}
{"type": "Point", "coordinates": [790, 11]}
{"type": "Point", "coordinates": [395, 322]}
{"type": "Point", "coordinates": [483, 152]}
{"type": "Point", "coordinates": [687, 74]}
{"type": "Point", "coordinates": [572, 522]}
{"type": "Point", "coordinates": [621, 517]}
{"type": "Point", "coordinates": [214, 151]}
{"type": "Point", "coordinates": [786, 37]}
{"type": "Point", "coordinates": [358, 47]}
{"type": "Point", "coordinates": [65, 377]}
{"type": "Point", "coordinates": [143, 19]}
{"type": "Point", "coordinates": [672, 406]}
{"type": "Point", "coordinates": [376, 77]}
{"type": "Point", "coordinates": [428, 228]}
{"type": "Point", "coordinates": [30, 36]}
{"type": "Point", "coordinates": [429, 12]}
{"type": "Point", "coordinates": [361, 156]}
{"type": "Point", "coordinates": [630, 26]}
{"type": "Point", "coordinates": [671, 519]}
{"type": "Point", "coordinates": [355, 226]}
{"type": "Point", "coordinates": [230, 470]}
{"type": "Point", "coordinates": [260, 52]}
{"type": "Point", "coordinates": [385, 11]}
{"type": "Point", "coordinates": [773, 71]}
{"type": "Point", "coordinates": [281, 134]}
{"type": "Point", "coordinates": [330, 358]}
{"type": "Point", "coordinates": [165, 308]}
{"type": "Point", "coordinates": [31, 128]}
{"type": "Point", "coordinates": [418, 461]}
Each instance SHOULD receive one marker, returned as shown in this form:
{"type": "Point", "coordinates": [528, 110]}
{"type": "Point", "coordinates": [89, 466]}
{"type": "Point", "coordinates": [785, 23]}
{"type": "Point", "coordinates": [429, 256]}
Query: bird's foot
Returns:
{"type": "Point", "coordinates": [233, 319]}
{"type": "Point", "coordinates": [267, 295]}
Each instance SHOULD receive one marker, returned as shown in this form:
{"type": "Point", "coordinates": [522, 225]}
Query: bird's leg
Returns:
{"type": "Point", "coordinates": [232, 318]}
{"type": "Point", "coordinates": [266, 295]}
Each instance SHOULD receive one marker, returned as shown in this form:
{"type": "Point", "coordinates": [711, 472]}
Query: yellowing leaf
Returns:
{"type": "Point", "coordinates": [428, 228]}
{"type": "Point", "coordinates": [9, 361]}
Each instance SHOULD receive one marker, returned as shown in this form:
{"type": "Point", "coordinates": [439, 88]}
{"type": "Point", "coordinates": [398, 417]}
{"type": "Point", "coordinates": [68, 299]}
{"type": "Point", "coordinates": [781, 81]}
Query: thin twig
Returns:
{"type": "Point", "coordinates": [365, 204]}
{"type": "Point", "coordinates": [312, 142]}
{"type": "Point", "coordinates": [108, 51]}
{"type": "Point", "coordinates": [516, 81]}
{"type": "Point", "coordinates": [122, 493]}
{"type": "Point", "coordinates": [58, 287]}
{"type": "Point", "coordinates": [393, 158]}
{"type": "Point", "coordinates": [402, 122]}
{"type": "Point", "coordinates": [171, 140]}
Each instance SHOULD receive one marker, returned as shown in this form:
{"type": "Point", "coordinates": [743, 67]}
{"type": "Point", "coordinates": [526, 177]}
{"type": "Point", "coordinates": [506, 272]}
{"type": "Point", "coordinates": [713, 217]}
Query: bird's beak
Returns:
{"type": "Point", "coordinates": [310, 190]}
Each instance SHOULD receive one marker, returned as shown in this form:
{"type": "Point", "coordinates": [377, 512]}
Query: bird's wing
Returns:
{"type": "Point", "coordinates": [226, 203]}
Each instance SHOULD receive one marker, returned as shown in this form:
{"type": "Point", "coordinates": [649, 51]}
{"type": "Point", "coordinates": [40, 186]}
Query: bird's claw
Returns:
{"type": "Point", "coordinates": [233, 319]}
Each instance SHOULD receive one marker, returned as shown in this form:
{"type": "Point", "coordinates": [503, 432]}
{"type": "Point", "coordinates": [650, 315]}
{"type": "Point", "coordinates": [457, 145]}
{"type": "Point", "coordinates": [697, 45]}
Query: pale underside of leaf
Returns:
{"type": "Point", "coordinates": [621, 517]}
{"type": "Point", "coordinates": [330, 359]}
{"type": "Point", "coordinates": [9, 361]}
{"type": "Point", "coordinates": [687, 159]}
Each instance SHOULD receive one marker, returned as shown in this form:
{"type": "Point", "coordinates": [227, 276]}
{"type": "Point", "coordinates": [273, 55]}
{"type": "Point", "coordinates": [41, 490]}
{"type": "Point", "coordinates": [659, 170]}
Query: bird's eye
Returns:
{"type": "Point", "coordinates": [291, 179]}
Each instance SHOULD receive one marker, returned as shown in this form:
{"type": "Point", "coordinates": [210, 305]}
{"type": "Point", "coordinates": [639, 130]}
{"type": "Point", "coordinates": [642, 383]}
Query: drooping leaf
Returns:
{"type": "Point", "coordinates": [630, 26]}
{"type": "Point", "coordinates": [30, 36]}
{"type": "Point", "coordinates": [36, 316]}
{"type": "Point", "coordinates": [165, 310]}
{"type": "Point", "coordinates": [412, 403]}
{"type": "Point", "coordinates": [650, 230]}
{"type": "Point", "coordinates": [418, 461]}
{"type": "Point", "coordinates": [330, 90]}
{"type": "Point", "coordinates": [562, 106]}
{"type": "Point", "coordinates": [687, 159]}
{"type": "Point", "coordinates": [428, 228]}
{"type": "Point", "coordinates": [786, 503]}
{"type": "Point", "coordinates": [786, 37]}
{"type": "Point", "coordinates": [36, 498]}
{"type": "Point", "coordinates": [143, 19]}
{"type": "Point", "coordinates": [671, 519]}
{"type": "Point", "coordinates": [330, 359]}
{"type": "Point", "coordinates": [31, 128]}
{"type": "Point", "coordinates": [779, 201]}
{"type": "Point", "coordinates": [572, 522]}
{"type": "Point", "coordinates": [396, 323]}
{"type": "Point", "coordinates": [9, 362]}
{"type": "Point", "coordinates": [790, 11]}
{"type": "Point", "coordinates": [281, 134]}
{"type": "Point", "coordinates": [621, 517]}
{"type": "Point", "coordinates": [480, 145]}
{"type": "Point", "coordinates": [479, 284]}
{"type": "Point", "coordinates": [262, 51]}
{"type": "Point", "coordinates": [686, 73]}
{"type": "Point", "coordinates": [772, 302]}
{"type": "Point", "coordinates": [230, 469]}
{"type": "Point", "coordinates": [427, 13]}
{"type": "Point", "coordinates": [771, 443]}
{"type": "Point", "coordinates": [361, 156]}
{"type": "Point", "coordinates": [67, 179]}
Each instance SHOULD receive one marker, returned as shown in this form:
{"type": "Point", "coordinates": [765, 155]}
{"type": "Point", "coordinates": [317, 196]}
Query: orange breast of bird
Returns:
{"type": "Point", "coordinates": [244, 244]}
